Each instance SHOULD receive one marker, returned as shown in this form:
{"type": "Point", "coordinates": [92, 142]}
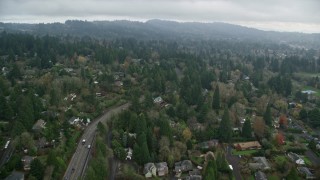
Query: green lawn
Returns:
{"type": "Point", "coordinates": [307, 161]}
{"type": "Point", "coordinates": [246, 152]}
{"type": "Point", "coordinates": [197, 160]}
{"type": "Point", "coordinates": [273, 177]}
{"type": "Point", "coordinates": [312, 88]}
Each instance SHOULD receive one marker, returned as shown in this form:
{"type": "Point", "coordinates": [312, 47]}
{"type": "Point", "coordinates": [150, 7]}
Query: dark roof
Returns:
{"type": "Point", "coordinates": [260, 176]}
{"type": "Point", "coordinates": [15, 175]}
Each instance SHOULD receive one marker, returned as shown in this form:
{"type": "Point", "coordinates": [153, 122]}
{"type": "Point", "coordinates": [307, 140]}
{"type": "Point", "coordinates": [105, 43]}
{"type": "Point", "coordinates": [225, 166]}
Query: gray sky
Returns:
{"type": "Point", "coordinates": [280, 15]}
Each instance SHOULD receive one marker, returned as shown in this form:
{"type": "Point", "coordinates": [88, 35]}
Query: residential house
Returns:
{"type": "Point", "coordinates": [194, 177]}
{"type": "Point", "coordinates": [247, 145]}
{"type": "Point", "coordinates": [39, 125]}
{"type": "Point", "coordinates": [149, 170]}
{"type": "Point", "coordinates": [260, 176]}
{"type": "Point", "coordinates": [15, 175]}
{"type": "Point", "coordinates": [158, 100]}
{"type": "Point", "coordinates": [74, 120]}
{"type": "Point", "coordinates": [162, 168]}
{"type": "Point", "coordinates": [118, 83]}
{"type": "Point", "coordinates": [42, 143]}
{"type": "Point", "coordinates": [296, 158]}
{"type": "Point", "coordinates": [260, 163]}
{"type": "Point", "coordinates": [26, 161]}
{"type": "Point", "coordinates": [306, 172]}
{"type": "Point", "coordinates": [183, 166]}
{"type": "Point", "coordinates": [129, 153]}
{"type": "Point", "coordinates": [209, 144]}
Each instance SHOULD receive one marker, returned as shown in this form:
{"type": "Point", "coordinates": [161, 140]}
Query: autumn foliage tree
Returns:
{"type": "Point", "coordinates": [283, 121]}
{"type": "Point", "coordinates": [280, 140]}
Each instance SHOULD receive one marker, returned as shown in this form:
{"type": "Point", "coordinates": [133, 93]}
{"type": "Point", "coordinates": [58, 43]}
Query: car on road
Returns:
{"type": "Point", "coordinates": [83, 141]}
{"type": "Point", "coordinates": [89, 146]}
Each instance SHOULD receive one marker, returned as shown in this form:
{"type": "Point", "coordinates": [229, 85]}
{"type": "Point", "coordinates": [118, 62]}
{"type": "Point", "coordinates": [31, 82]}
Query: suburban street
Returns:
{"type": "Point", "coordinates": [78, 162]}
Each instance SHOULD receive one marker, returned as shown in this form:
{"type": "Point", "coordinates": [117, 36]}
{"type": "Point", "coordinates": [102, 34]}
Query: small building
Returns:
{"type": "Point", "coordinates": [209, 144]}
{"type": "Point", "coordinates": [183, 166]}
{"type": "Point", "coordinates": [247, 145]}
{"type": "Point", "coordinates": [260, 163]}
{"type": "Point", "coordinates": [74, 120]}
{"type": "Point", "coordinates": [149, 170]}
{"type": "Point", "coordinates": [162, 168]}
{"type": "Point", "coordinates": [296, 158]}
{"type": "Point", "coordinates": [39, 125]}
{"type": "Point", "coordinates": [306, 172]}
{"type": "Point", "coordinates": [15, 175]}
{"type": "Point", "coordinates": [260, 176]}
{"type": "Point", "coordinates": [158, 100]}
{"type": "Point", "coordinates": [26, 161]}
{"type": "Point", "coordinates": [129, 153]}
{"type": "Point", "coordinates": [194, 177]}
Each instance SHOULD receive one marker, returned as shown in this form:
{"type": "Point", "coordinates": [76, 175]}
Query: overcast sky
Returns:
{"type": "Point", "coordinates": [280, 15]}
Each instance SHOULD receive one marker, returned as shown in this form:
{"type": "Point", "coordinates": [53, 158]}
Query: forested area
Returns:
{"type": "Point", "coordinates": [182, 94]}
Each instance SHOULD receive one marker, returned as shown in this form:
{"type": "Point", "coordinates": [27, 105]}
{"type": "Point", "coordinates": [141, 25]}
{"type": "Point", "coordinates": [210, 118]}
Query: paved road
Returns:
{"type": "Point", "coordinates": [79, 159]}
{"type": "Point", "coordinates": [234, 161]}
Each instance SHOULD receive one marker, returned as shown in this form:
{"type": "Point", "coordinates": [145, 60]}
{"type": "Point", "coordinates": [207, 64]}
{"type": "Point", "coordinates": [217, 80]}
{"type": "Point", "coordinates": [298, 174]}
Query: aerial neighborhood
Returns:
{"type": "Point", "coordinates": [84, 107]}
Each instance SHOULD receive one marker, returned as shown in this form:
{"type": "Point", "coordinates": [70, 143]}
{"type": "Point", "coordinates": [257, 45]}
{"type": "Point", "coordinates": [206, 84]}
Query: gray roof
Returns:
{"type": "Point", "coordinates": [147, 167]}
{"type": "Point", "coordinates": [184, 165]}
{"type": "Point", "coordinates": [263, 161]}
{"type": "Point", "coordinates": [260, 176]}
{"type": "Point", "coordinates": [15, 175]}
{"type": "Point", "coordinates": [306, 172]}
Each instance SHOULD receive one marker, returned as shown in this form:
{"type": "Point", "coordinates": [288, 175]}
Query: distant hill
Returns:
{"type": "Point", "coordinates": [164, 30]}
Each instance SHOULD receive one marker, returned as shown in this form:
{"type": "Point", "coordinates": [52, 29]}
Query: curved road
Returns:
{"type": "Point", "coordinates": [78, 161]}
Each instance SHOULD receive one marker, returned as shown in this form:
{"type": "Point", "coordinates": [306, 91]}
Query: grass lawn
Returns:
{"type": "Point", "coordinates": [280, 158]}
{"type": "Point", "coordinates": [311, 88]}
{"type": "Point", "coordinates": [197, 160]}
{"type": "Point", "coordinates": [273, 177]}
{"type": "Point", "coordinates": [307, 161]}
{"type": "Point", "coordinates": [246, 152]}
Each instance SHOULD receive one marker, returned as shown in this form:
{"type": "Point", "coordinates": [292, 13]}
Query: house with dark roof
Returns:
{"type": "Point", "coordinates": [183, 166]}
{"type": "Point", "coordinates": [296, 158]}
{"type": "Point", "coordinates": [260, 176]}
{"type": "Point", "coordinates": [306, 172]}
{"type": "Point", "coordinates": [39, 125]}
{"type": "Point", "coordinates": [15, 175]}
{"type": "Point", "coordinates": [162, 168]}
{"type": "Point", "coordinates": [26, 161]}
{"type": "Point", "coordinates": [209, 144]}
{"type": "Point", "coordinates": [260, 163]}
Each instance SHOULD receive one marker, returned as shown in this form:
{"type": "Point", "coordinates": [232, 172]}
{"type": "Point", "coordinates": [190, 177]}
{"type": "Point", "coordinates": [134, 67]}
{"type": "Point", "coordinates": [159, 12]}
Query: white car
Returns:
{"type": "Point", "coordinates": [89, 146]}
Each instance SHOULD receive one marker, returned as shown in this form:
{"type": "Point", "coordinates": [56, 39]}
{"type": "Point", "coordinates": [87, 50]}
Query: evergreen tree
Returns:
{"type": "Point", "coordinates": [144, 153]}
{"type": "Point", "coordinates": [314, 117]}
{"type": "Point", "coordinates": [37, 169]}
{"type": "Point", "coordinates": [293, 174]}
{"type": "Point", "coordinates": [303, 114]}
{"type": "Point", "coordinates": [148, 102]}
{"type": "Point", "coordinates": [216, 99]}
{"type": "Point", "coordinates": [247, 129]}
{"type": "Point", "coordinates": [211, 170]}
{"type": "Point", "coordinates": [267, 117]}
{"type": "Point", "coordinates": [225, 128]}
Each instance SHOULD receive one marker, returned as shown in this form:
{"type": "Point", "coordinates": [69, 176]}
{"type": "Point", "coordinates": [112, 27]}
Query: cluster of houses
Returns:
{"type": "Point", "coordinates": [79, 122]}
{"type": "Point", "coordinates": [161, 169]}
{"type": "Point", "coordinates": [261, 164]}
